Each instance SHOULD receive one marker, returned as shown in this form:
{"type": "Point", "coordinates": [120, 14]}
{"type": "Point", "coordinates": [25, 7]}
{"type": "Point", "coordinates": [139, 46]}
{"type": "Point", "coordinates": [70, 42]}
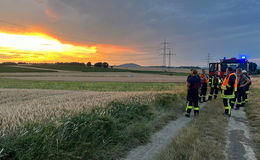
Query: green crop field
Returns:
{"type": "Point", "coordinates": [90, 86]}
{"type": "Point", "coordinates": [7, 68]}
{"type": "Point", "coordinates": [83, 68]}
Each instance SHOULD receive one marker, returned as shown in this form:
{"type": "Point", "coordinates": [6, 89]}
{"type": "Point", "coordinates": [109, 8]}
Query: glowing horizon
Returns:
{"type": "Point", "coordinates": [39, 47]}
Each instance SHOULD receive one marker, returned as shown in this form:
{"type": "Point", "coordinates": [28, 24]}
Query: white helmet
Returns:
{"type": "Point", "coordinates": [244, 71]}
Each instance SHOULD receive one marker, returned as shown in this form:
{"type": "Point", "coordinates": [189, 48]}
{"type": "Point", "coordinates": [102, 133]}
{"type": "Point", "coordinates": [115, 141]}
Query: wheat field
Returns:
{"type": "Point", "coordinates": [19, 106]}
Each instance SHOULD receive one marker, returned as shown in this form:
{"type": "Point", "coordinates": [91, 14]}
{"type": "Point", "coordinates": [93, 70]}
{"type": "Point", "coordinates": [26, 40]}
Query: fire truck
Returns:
{"type": "Point", "coordinates": [234, 63]}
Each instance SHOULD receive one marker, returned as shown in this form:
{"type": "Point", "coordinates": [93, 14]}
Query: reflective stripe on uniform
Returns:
{"type": "Point", "coordinates": [196, 108]}
{"type": "Point", "coordinates": [188, 107]}
{"type": "Point", "coordinates": [228, 96]}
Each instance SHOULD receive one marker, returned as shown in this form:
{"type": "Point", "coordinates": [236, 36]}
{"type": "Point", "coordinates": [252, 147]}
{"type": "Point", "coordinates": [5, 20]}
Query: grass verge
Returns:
{"type": "Point", "coordinates": [203, 139]}
{"type": "Point", "coordinates": [101, 134]}
{"type": "Point", "coordinates": [253, 110]}
{"type": "Point", "coordinates": [7, 68]}
{"type": "Point", "coordinates": [91, 86]}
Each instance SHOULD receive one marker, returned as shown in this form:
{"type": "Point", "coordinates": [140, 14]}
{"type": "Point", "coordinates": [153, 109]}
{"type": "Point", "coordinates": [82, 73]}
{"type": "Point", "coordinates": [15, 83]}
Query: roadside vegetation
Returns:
{"type": "Point", "coordinates": [8, 68]}
{"type": "Point", "coordinates": [204, 138]}
{"type": "Point", "coordinates": [253, 110]}
{"type": "Point", "coordinates": [102, 133]}
{"type": "Point", "coordinates": [90, 86]}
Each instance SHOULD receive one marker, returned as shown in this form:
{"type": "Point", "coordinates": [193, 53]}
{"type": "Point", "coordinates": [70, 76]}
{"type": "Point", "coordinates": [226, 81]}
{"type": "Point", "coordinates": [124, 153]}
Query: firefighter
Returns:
{"type": "Point", "coordinates": [247, 87]}
{"type": "Point", "coordinates": [204, 83]}
{"type": "Point", "coordinates": [243, 82]}
{"type": "Point", "coordinates": [193, 84]}
{"type": "Point", "coordinates": [214, 83]}
{"type": "Point", "coordinates": [191, 70]}
{"type": "Point", "coordinates": [229, 86]}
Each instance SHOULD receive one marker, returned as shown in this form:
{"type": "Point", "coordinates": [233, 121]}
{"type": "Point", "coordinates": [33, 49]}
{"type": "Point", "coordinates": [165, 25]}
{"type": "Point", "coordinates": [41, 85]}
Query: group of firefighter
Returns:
{"type": "Point", "coordinates": [234, 89]}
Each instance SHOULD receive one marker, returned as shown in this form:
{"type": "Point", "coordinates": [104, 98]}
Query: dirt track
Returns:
{"type": "Point", "coordinates": [239, 146]}
{"type": "Point", "coordinates": [159, 140]}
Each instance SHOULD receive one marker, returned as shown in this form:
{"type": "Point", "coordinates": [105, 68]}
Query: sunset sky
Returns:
{"type": "Point", "coordinates": [128, 31]}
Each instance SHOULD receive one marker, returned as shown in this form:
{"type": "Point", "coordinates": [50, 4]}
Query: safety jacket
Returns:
{"type": "Point", "coordinates": [204, 78]}
{"type": "Point", "coordinates": [228, 91]}
{"type": "Point", "coordinates": [215, 81]}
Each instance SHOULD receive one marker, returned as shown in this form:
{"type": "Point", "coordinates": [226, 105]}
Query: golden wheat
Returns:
{"type": "Point", "coordinates": [19, 106]}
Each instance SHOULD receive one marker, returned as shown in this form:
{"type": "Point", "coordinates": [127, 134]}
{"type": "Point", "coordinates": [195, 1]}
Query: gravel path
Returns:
{"type": "Point", "coordinates": [238, 141]}
{"type": "Point", "coordinates": [159, 140]}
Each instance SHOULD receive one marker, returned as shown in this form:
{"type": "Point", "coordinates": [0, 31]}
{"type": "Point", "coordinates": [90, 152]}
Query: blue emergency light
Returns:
{"type": "Point", "coordinates": [243, 57]}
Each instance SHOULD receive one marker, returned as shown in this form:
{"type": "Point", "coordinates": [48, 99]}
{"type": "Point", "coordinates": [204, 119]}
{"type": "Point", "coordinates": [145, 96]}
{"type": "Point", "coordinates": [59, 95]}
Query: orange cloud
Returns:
{"type": "Point", "coordinates": [36, 47]}
{"type": "Point", "coordinates": [39, 47]}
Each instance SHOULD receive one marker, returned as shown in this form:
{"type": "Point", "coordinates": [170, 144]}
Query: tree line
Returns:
{"type": "Point", "coordinates": [88, 64]}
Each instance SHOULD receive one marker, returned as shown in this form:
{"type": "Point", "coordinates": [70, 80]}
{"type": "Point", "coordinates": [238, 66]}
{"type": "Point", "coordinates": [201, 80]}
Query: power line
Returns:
{"type": "Point", "coordinates": [207, 59]}
{"type": "Point", "coordinates": [164, 49]}
{"type": "Point", "coordinates": [171, 53]}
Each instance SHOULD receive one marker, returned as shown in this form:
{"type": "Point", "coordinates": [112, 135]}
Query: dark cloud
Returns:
{"type": "Point", "coordinates": [223, 27]}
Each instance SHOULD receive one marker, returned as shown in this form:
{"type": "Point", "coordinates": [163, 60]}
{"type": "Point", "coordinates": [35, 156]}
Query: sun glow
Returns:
{"type": "Point", "coordinates": [39, 47]}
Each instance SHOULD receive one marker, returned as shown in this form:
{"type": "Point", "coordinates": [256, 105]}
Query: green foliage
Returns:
{"type": "Point", "coordinates": [103, 133]}
{"type": "Point", "coordinates": [252, 109]}
{"type": "Point", "coordinates": [166, 100]}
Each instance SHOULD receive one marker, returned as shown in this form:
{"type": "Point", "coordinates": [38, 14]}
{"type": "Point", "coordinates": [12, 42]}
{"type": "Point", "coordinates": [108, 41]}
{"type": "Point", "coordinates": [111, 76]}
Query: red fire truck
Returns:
{"type": "Point", "coordinates": [221, 66]}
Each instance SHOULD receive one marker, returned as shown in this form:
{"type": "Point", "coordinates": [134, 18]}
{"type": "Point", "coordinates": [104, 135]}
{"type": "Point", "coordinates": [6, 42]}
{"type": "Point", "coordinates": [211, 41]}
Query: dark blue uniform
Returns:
{"type": "Point", "coordinates": [193, 94]}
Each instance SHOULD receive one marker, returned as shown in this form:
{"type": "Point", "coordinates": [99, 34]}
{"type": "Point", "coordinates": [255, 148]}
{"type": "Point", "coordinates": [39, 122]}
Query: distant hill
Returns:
{"type": "Point", "coordinates": [130, 65]}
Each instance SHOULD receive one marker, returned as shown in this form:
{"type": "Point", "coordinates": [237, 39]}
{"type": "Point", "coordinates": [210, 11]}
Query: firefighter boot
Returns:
{"type": "Point", "coordinates": [196, 113]}
{"type": "Point", "coordinates": [227, 113]}
{"type": "Point", "coordinates": [237, 107]}
{"type": "Point", "coordinates": [187, 115]}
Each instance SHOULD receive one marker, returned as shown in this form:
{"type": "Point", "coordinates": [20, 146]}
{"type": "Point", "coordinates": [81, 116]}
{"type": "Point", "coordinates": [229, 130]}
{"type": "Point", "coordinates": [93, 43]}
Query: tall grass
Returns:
{"type": "Point", "coordinates": [203, 139]}
{"type": "Point", "coordinates": [253, 110]}
{"type": "Point", "coordinates": [103, 133]}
